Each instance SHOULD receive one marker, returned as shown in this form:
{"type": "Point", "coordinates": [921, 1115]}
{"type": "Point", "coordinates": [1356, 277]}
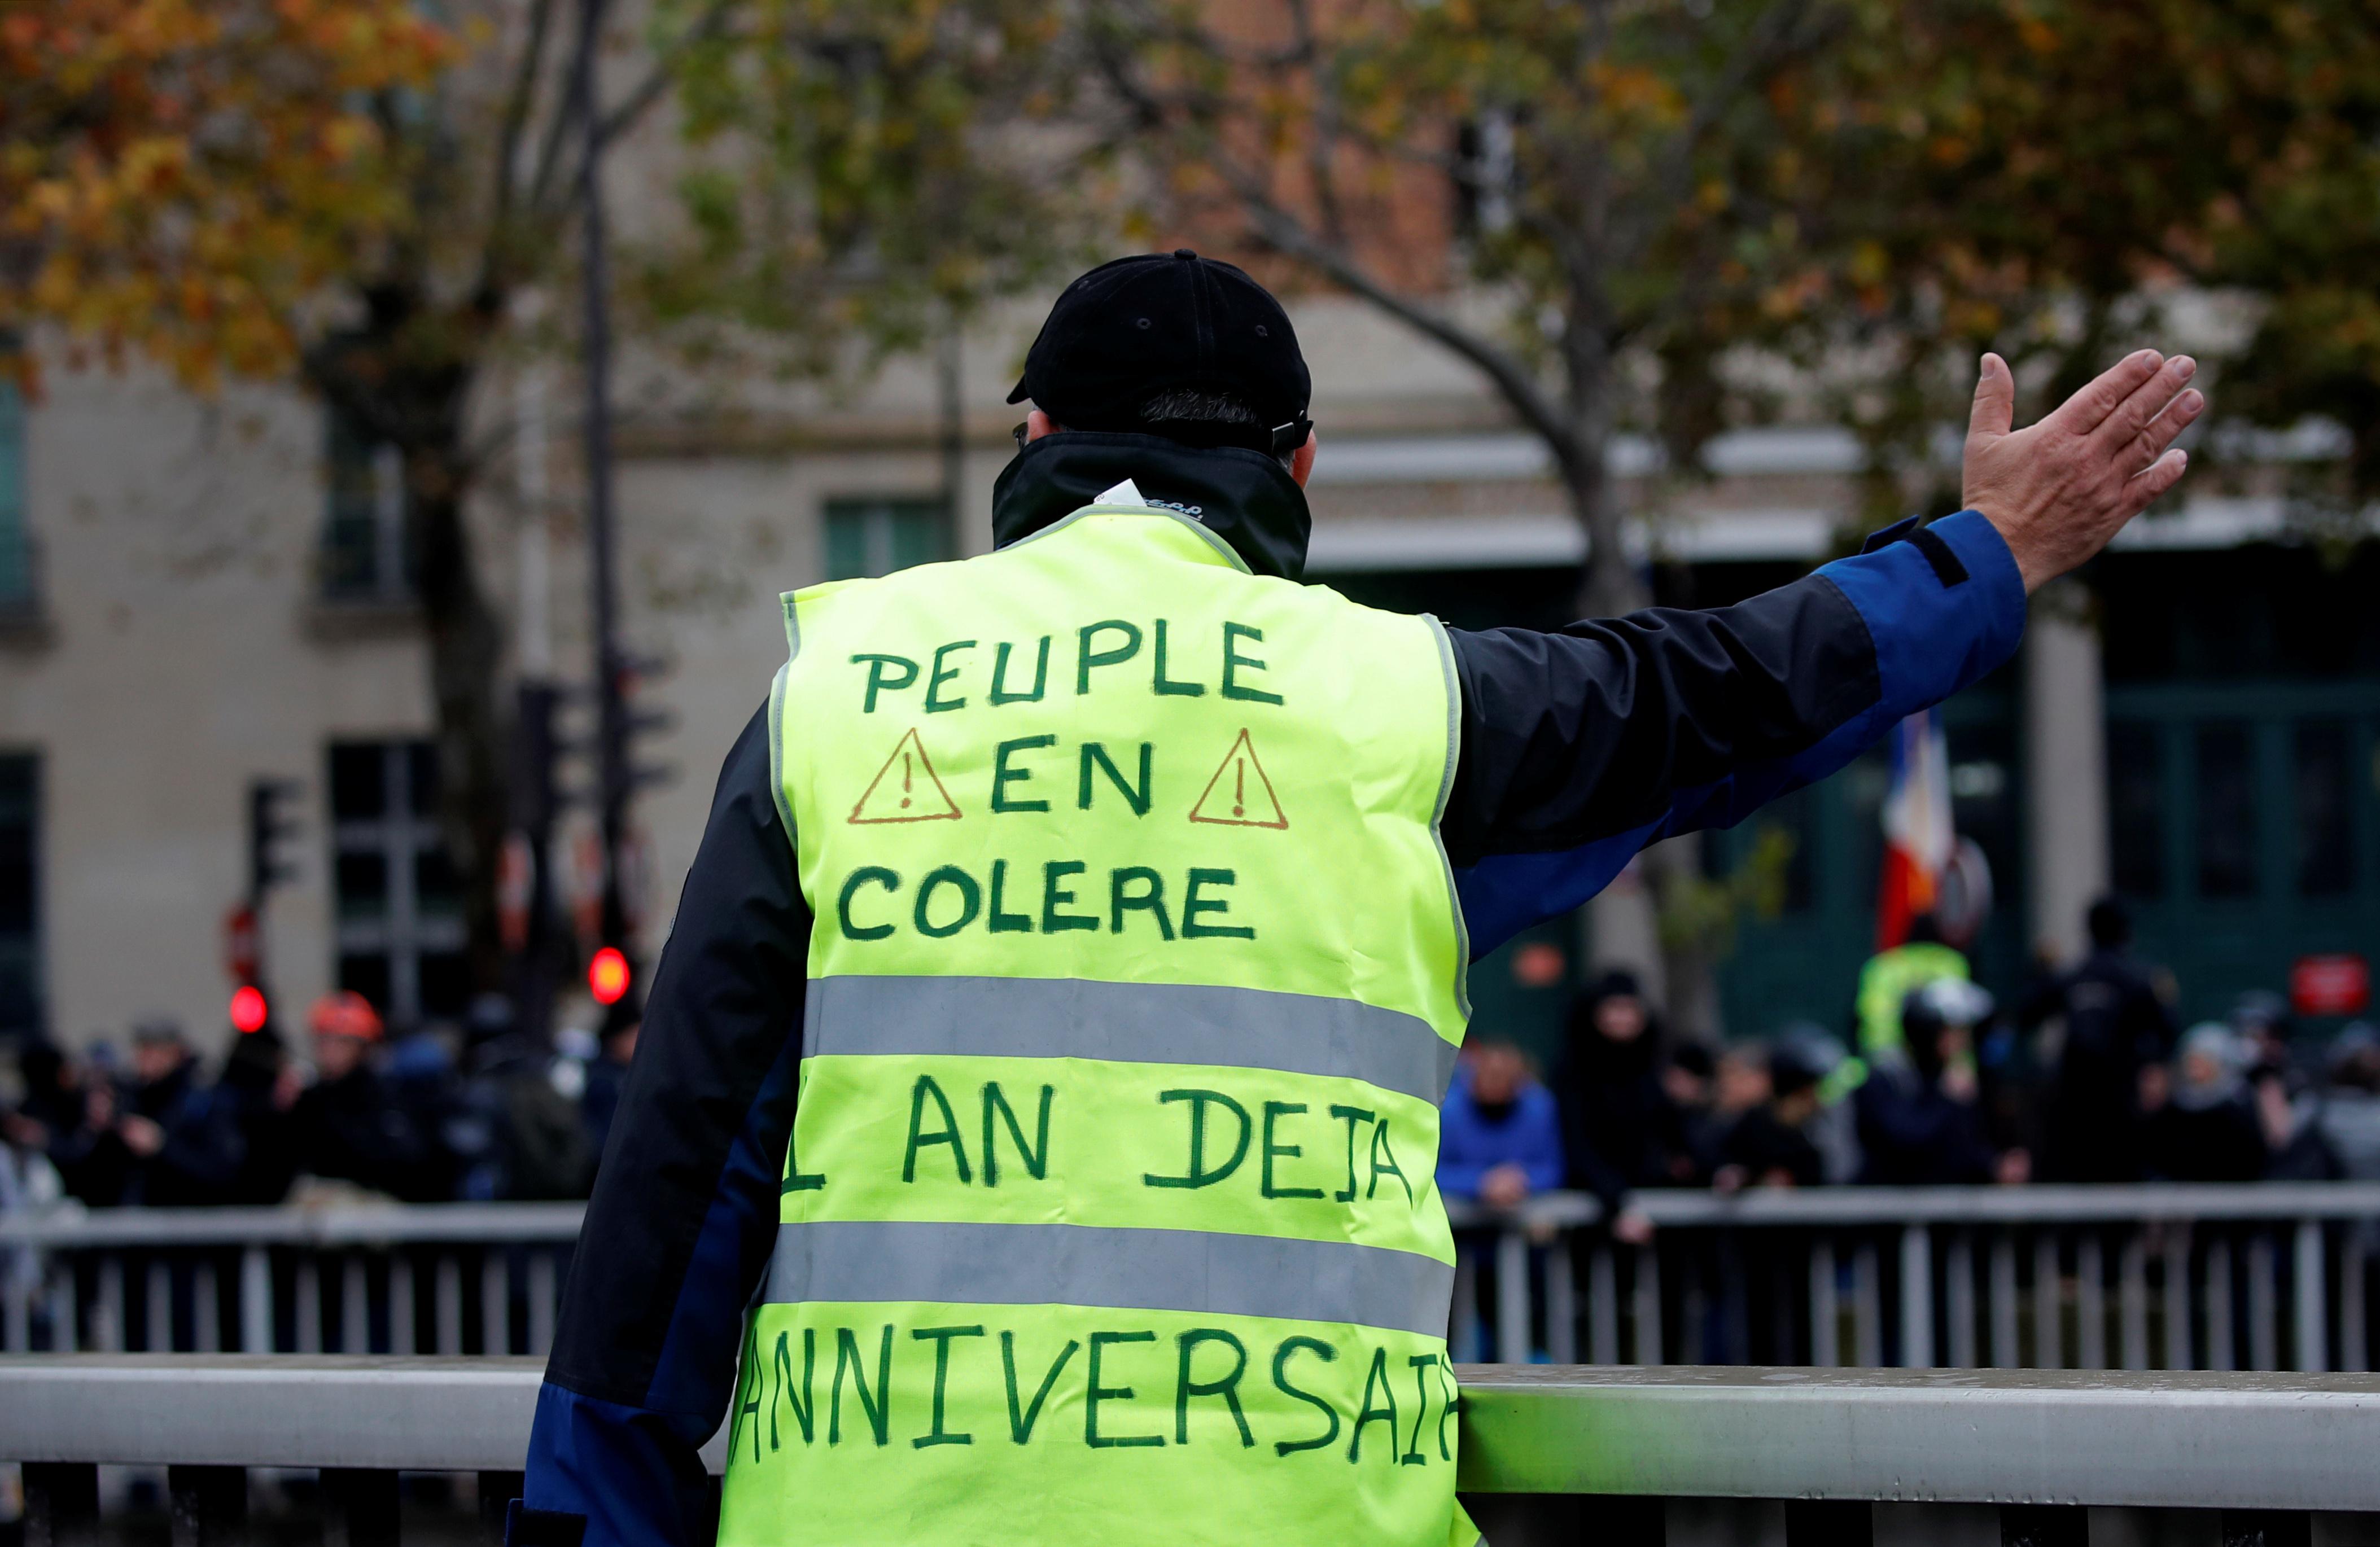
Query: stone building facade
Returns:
{"type": "Point", "coordinates": [198, 593]}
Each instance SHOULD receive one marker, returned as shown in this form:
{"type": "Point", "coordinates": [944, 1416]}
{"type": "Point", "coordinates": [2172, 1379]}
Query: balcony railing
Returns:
{"type": "Point", "coordinates": [2254, 1276]}
{"type": "Point", "coordinates": [433, 1278]}
{"type": "Point", "coordinates": [2260, 1276]}
{"type": "Point", "coordinates": [1617, 1457]}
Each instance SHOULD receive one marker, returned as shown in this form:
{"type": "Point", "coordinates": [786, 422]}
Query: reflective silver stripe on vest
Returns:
{"type": "Point", "coordinates": [875, 1262]}
{"type": "Point", "coordinates": [1132, 1022]}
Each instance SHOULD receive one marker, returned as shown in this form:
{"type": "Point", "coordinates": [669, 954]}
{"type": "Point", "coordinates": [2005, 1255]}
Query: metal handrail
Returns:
{"type": "Point", "coordinates": [347, 1225]}
{"type": "Point", "coordinates": [359, 1224]}
{"type": "Point", "coordinates": [2160, 1440]}
{"type": "Point", "coordinates": [1869, 1263]}
{"type": "Point", "coordinates": [2164, 1440]}
{"type": "Point", "coordinates": [2053, 1203]}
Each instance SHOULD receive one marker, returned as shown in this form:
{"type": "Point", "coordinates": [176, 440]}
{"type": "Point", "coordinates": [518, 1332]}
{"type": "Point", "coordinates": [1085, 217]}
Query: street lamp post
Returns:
{"type": "Point", "coordinates": [612, 728]}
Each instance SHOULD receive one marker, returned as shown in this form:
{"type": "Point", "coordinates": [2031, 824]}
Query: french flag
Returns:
{"type": "Point", "coordinates": [1918, 838]}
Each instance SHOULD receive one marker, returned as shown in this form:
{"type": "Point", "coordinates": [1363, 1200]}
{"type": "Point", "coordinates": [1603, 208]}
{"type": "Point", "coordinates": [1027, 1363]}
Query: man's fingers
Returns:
{"type": "Point", "coordinates": [2142, 407]}
{"type": "Point", "coordinates": [2083, 413]}
{"type": "Point", "coordinates": [2163, 474]}
{"type": "Point", "coordinates": [1995, 409]}
{"type": "Point", "coordinates": [2151, 443]}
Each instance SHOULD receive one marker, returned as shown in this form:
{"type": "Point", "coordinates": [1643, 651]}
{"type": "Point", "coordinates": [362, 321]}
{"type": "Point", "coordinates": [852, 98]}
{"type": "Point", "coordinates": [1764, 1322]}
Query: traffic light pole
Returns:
{"type": "Point", "coordinates": [267, 825]}
{"type": "Point", "coordinates": [612, 729]}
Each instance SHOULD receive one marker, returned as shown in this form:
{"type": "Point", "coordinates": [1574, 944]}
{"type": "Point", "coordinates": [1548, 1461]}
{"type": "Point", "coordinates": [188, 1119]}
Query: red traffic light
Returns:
{"type": "Point", "coordinates": [248, 1011]}
{"type": "Point", "coordinates": [607, 975]}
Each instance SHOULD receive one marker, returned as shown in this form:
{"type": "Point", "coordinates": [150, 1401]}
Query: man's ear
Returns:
{"type": "Point", "coordinates": [1301, 461]}
{"type": "Point", "coordinates": [1037, 424]}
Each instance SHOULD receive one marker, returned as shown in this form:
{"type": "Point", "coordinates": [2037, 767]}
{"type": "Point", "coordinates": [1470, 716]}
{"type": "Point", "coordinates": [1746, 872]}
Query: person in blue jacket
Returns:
{"type": "Point", "coordinates": [1499, 1132]}
{"type": "Point", "coordinates": [1499, 1144]}
{"type": "Point", "coordinates": [1577, 747]}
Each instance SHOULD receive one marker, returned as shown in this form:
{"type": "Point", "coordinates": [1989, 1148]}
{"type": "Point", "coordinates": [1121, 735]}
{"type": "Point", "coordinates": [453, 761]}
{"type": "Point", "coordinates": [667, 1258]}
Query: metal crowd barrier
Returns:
{"type": "Point", "coordinates": [432, 1278]}
{"type": "Point", "coordinates": [1619, 1457]}
{"type": "Point", "coordinates": [2259, 1275]}
{"type": "Point", "coordinates": [2255, 1276]}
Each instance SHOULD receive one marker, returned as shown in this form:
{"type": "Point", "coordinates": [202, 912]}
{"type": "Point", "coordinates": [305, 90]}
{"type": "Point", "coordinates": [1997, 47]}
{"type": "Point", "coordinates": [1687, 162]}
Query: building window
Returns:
{"type": "Point", "coordinates": [866, 537]}
{"type": "Point", "coordinates": [2228, 836]}
{"type": "Point", "coordinates": [21, 916]}
{"type": "Point", "coordinates": [16, 538]}
{"type": "Point", "coordinates": [2135, 807]}
{"type": "Point", "coordinates": [364, 551]}
{"type": "Point", "coordinates": [2325, 823]}
{"type": "Point", "coordinates": [400, 907]}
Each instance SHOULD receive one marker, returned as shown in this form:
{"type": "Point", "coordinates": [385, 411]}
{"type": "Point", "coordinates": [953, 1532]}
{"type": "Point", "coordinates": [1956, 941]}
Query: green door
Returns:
{"type": "Point", "coordinates": [2242, 828]}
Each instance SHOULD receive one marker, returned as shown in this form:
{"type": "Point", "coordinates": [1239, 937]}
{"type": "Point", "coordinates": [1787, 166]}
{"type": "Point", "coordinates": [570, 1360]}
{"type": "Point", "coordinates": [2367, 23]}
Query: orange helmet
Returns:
{"type": "Point", "coordinates": [345, 1013]}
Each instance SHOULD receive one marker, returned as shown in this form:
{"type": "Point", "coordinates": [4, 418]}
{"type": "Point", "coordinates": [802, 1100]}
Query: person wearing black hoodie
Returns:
{"type": "Point", "coordinates": [348, 1127]}
{"type": "Point", "coordinates": [1920, 1123]}
{"type": "Point", "coordinates": [262, 1084]}
{"type": "Point", "coordinates": [181, 1136]}
{"type": "Point", "coordinates": [2117, 1027]}
{"type": "Point", "coordinates": [1621, 1129]}
{"type": "Point", "coordinates": [61, 1115]}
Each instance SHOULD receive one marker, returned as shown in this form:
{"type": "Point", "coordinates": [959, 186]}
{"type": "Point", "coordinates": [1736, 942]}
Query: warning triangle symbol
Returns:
{"type": "Point", "coordinates": [907, 789]}
{"type": "Point", "coordinates": [1240, 795]}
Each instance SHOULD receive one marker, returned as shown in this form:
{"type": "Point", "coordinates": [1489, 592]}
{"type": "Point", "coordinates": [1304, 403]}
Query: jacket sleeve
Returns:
{"type": "Point", "coordinates": [685, 1210]}
{"type": "Point", "coordinates": [1582, 745]}
{"type": "Point", "coordinates": [1544, 1160]}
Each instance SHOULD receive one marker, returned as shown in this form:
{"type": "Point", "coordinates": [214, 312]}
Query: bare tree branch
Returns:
{"type": "Point", "coordinates": [552, 196]}
{"type": "Point", "coordinates": [518, 102]}
{"type": "Point", "coordinates": [709, 27]}
{"type": "Point", "coordinates": [1322, 142]}
{"type": "Point", "coordinates": [1536, 407]}
{"type": "Point", "coordinates": [1283, 232]}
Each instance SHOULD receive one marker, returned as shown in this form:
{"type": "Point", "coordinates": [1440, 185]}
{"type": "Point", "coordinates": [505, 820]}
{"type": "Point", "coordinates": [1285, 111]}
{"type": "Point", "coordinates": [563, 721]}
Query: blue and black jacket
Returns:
{"type": "Point", "coordinates": [1579, 747]}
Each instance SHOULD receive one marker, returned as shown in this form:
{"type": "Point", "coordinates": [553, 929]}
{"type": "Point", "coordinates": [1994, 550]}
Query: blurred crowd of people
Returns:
{"type": "Point", "coordinates": [471, 1112]}
{"type": "Point", "coordinates": [2086, 1079]}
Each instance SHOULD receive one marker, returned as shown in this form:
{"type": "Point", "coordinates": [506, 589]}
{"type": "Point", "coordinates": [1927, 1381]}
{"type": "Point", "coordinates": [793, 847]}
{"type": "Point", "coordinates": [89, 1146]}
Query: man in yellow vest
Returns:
{"type": "Point", "coordinates": [1032, 1135]}
{"type": "Point", "coordinates": [1888, 978]}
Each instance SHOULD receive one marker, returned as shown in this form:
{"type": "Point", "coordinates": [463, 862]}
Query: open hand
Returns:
{"type": "Point", "coordinates": [2057, 491]}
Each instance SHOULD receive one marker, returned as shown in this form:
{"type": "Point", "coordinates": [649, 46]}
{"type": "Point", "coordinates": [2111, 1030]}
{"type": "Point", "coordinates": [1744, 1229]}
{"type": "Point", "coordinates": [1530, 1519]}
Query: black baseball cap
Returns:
{"type": "Point", "coordinates": [1138, 326]}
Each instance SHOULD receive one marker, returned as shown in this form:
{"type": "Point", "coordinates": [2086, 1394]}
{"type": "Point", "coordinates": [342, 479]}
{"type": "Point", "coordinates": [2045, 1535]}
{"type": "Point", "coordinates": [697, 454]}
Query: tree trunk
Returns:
{"type": "Point", "coordinates": [1689, 971]}
{"type": "Point", "coordinates": [465, 657]}
{"type": "Point", "coordinates": [1624, 920]}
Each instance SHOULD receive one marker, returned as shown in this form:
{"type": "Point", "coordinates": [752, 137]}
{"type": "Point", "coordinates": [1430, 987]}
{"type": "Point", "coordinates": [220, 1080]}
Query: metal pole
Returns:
{"type": "Point", "coordinates": [2312, 1315]}
{"type": "Point", "coordinates": [1916, 1297]}
{"type": "Point", "coordinates": [611, 752]}
{"type": "Point", "coordinates": [533, 781]}
{"type": "Point", "coordinates": [951, 389]}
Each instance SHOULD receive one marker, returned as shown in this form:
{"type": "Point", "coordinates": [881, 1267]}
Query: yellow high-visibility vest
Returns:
{"type": "Point", "coordinates": [1110, 1214]}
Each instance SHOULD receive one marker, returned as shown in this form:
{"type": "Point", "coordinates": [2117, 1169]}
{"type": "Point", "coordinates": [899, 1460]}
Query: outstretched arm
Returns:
{"type": "Point", "coordinates": [1581, 745]}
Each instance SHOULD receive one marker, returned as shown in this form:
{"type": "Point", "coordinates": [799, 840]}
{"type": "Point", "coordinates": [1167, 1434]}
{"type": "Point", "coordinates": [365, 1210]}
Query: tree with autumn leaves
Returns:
{"type": "Point", "coordinates": [2062, 180]}
{"type": "Point", "coordinates": [352, 195]}
{"type": "Point", "coordinates": [1625, 217]}
{"type": "Point", "coordinates": [178, 178]}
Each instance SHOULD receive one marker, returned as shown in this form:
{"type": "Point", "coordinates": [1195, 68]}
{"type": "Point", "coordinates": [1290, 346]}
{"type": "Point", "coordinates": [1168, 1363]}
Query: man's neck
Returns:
{"type": "Point", "coordinates": [1244, 497]}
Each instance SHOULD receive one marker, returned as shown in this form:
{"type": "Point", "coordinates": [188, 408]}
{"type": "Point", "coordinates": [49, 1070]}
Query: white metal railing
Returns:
{"type": "Point", "coordinates": [431, 1278]}
{"type": "Point", "coordinates": [1546, 1454]}
{"type": "Point", "coordinates": [2255, 1276]}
